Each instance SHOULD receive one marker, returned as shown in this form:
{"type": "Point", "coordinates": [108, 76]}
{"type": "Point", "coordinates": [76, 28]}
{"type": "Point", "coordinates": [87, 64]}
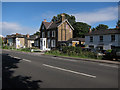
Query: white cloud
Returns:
{"type": "Point", "coordinates": [10, 28]}
{"type": "Point", "coordinates": [105, 14]}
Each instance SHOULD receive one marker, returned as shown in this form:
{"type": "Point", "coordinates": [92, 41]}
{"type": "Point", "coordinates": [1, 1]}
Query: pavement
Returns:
{"type": "Point", "coordinates": [28, 70]}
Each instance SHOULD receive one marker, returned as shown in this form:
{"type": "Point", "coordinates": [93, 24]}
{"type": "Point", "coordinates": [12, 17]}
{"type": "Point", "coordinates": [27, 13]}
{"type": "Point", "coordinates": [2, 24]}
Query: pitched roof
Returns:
{"type": "Point", "coordinates": [16, 36]}
{"type": "Point", "coordinates": [104, 32]}
{"type": "Point", "coordinates": [46, 24]}
{"type": "Point", "coordinates": [33, 37]}
{"type": "Point", "coordinates": [55, 24]}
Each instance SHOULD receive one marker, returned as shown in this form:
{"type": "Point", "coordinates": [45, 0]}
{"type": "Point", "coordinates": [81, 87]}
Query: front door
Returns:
{"type": "Point", "coordinates": [43, 43]}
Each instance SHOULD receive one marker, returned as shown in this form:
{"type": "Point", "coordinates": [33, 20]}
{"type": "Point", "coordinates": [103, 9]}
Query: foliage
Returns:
{"type": "Point", "coordinates": [37, 33]}
{"type": "Point", "coordinates": [73, 52]}
{"type": "Point", "coordinates": [101, 27]}
{"type": "Point", "coordinates": [70, 18]}
{"type": "Point", "coordinates": [24, 49]}
{"type": "Point", "coordinates": [80, 29]}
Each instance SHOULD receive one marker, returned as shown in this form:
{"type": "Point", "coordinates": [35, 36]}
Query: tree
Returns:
{"type": "Point", "coordinates": [37, 33]}
{"type": "Point", "coordinates": [70, 18]}
{"type": "Point", "coordinates": [80, 29]}
{"type": "Point", "coordinates": [101, 27]}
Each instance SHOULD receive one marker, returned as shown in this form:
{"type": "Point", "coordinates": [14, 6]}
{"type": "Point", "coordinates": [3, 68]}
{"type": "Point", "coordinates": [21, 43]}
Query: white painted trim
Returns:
{"type": "Point", "coordinates": [49, 25]}
{"type": "Point", "coordinates": [68, 23]}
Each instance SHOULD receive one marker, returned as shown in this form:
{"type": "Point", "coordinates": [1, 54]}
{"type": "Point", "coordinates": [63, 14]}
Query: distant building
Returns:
{"type": "Point", "coordinates": [16, 40]}
{"type": "Point", "coordinates": [76, 41]}
{"type": "Point", "coordinates": [103, 39]}
{"type": "Point", "coordinates": [52, 34]}
{"type": "Point", "coordinates": [30, 40]}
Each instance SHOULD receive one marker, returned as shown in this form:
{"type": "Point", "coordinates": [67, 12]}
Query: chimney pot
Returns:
{"type": "Point", "coordinates": [45, 20]}
{"type": "Point", "coordinates": [63, 17]}
{"type": "Point", "coordinates": [28, 35]}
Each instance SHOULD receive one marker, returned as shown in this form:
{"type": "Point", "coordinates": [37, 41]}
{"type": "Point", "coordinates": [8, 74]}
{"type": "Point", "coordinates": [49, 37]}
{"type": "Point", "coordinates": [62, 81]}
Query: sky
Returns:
{"type": "Point", "coordinates": [26, 17]}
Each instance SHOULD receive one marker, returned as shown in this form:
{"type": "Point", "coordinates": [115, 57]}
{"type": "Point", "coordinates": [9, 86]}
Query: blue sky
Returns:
{"type": "Point", "coordinates": [26, 17]}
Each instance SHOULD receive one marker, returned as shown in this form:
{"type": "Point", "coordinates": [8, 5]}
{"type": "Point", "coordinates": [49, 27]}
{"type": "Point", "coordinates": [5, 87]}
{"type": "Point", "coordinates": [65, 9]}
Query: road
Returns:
{"type": "Point", "coordinates": [22, 70]}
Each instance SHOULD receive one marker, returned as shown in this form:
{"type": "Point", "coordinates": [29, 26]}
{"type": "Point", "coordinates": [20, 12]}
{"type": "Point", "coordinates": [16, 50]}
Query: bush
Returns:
{"type": "Point", "coordinates": [25, 49]}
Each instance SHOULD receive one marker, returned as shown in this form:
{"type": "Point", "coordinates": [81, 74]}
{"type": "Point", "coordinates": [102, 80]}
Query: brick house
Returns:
{"type": "Point", "coordinates": [52, 34]}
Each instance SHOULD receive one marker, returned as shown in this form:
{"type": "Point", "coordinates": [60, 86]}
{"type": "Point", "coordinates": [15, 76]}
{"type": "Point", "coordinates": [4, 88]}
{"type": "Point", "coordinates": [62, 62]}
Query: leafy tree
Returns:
{"type": "Point", "coordinates": [70, 18]}
{"type": "Point", "coordinates": [37, 33]}
{"type": "Point", "coordinates": [93, 29]}
{"type": "Point", "coordinates": [80, 29]}
{"type": "Point", "coordinates": [101, 27]}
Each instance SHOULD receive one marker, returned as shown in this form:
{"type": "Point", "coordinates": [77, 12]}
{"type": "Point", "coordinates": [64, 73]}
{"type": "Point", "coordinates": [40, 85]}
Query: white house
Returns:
{"type": "Point", "coordinates": [103, 39]}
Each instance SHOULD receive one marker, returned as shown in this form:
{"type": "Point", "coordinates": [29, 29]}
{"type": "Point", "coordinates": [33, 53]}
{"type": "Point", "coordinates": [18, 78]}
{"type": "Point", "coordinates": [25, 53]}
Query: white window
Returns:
{"type": "Point", "coordinates": [48, 42]}
{"type": "Point", "coordinates": [70, 29]}
{"type": "Point", "coordinates": [48, 34]}
{"type": "Point", "coordinates": [53, 43]}
{"type": "Point", "coordinates": [43, 34]}
{"type": "Point", "coordinates": [53, 33]}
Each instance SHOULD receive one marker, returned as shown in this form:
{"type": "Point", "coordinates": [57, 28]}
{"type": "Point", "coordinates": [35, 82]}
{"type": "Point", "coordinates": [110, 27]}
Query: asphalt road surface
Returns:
{"type": "Point", "coordinates": [22, 70]}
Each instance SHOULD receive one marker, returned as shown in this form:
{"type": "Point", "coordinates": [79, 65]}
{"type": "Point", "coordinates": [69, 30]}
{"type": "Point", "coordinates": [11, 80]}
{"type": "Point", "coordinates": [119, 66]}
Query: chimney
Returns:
{"type": "Point", "coordinates": [17, 34]}
{"type": "Point", "coordinates": [117, 27]}
{"type": "Point", "coordinates": [63, 17]}
{"type": "Point", "coordinates": [45, 20]}
{"type": "Point", "coordinates": [28, 35]}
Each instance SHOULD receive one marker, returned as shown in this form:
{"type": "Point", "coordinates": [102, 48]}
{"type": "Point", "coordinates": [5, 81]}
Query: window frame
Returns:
{"type": "Point", "coordinates": [101, 38]}
{"type": "Point", "coordinates": [112, 38]}
{"type": "Point", "coordinates": [91, 38]}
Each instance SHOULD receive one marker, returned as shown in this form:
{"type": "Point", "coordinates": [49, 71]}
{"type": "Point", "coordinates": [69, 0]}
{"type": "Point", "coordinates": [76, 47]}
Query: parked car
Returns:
{"type": "Point", "coordinates": [115, 53]}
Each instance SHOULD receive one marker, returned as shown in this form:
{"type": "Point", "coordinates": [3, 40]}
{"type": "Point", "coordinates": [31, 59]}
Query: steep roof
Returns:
{"type": "Point", "coordinates": [55, 24]}
{"type": "Point", "coordinates": [46, 24]}
{"type": "Point", "coordinates": [33, 37]}
{"type": "Point", "coordinates": [104, 32]}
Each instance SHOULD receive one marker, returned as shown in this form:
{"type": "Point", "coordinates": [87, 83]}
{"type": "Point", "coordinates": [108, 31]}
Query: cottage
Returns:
{"type": "Point", "coordinates": [16, 40]}
{"type": "Point", "coordinates": [103, 39]}
{"type": "Point", "coordinates": [52, 34]}
{"type": "Point", "coordinates": [30, 40]}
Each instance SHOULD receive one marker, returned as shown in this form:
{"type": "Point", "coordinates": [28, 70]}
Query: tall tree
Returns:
{"type": "Point", "coordinates": [101, 27]}
{"type": "Point", "coordinates": [80, 29]}
{"type": "Point", "coordinates": [70, 18]}
{"type": "Point", "coordinates": [37, 33]}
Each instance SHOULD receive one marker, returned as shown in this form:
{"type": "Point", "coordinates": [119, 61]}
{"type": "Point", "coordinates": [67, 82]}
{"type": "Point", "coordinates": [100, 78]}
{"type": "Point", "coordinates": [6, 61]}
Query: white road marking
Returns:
{"type": "Point", "coordinates": [17, 57]}
{"type": "Point", "coordinates": [114, 66]}
{"type": "Point", "coordinates": [64, 59]}
{"type": "Point", "coordinates": [26, 60]}
{"type": "Point", "coordinates": [88, 75]}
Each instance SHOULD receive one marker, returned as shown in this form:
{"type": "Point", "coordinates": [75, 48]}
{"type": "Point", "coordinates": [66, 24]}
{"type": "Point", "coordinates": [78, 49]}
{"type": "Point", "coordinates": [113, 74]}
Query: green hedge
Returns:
{"type": "Point", "coordinates": [74, 52]}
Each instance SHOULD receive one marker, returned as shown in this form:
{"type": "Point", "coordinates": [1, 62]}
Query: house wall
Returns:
{"type": "Point", "coordinates": [10, 41]}
{"type": "Point", "coordinates": [22, 42]}
{"type": "Point", "coordinates": [29, 43]}
{"type": "Point", "coordinates": [106, 41]}
{"type": "Point", "coordinates": [64, 32]}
